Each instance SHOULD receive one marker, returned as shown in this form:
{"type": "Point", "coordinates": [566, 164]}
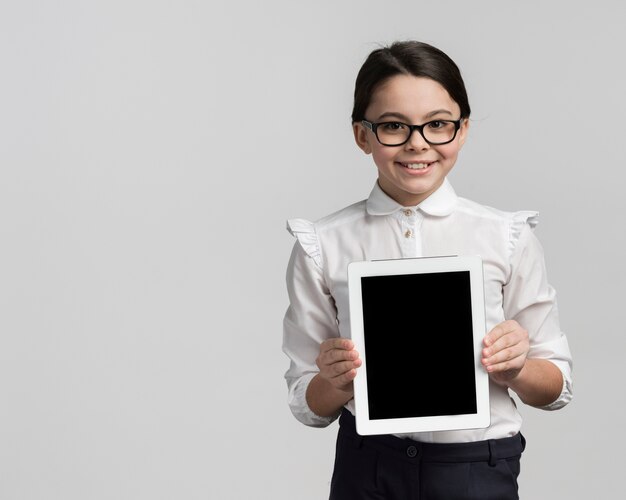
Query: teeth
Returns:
{"type": "Point", "coordinates": [415, 166]}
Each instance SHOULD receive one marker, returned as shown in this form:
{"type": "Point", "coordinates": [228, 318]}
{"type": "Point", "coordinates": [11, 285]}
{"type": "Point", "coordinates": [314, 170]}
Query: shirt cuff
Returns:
{"type": "Point", "coordinates": [566, 393]}
{"type": "Point", "coordinates": [300, 408]}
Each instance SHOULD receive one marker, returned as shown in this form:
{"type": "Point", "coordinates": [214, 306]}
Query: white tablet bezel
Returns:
{"type": "Point", "coordinates": [358, 270]}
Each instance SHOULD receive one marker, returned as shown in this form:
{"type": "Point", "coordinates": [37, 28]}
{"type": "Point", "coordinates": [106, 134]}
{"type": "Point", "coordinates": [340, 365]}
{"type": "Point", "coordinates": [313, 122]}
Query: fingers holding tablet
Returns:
{"type": "Point", "coordinates": [338, 362]}
{"type": "Point", "coordinates": [506, 349]}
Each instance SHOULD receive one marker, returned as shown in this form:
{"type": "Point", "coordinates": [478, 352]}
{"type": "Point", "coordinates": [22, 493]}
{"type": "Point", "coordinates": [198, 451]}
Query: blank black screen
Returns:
{"type": "Point", "coordinates": [419, 345]}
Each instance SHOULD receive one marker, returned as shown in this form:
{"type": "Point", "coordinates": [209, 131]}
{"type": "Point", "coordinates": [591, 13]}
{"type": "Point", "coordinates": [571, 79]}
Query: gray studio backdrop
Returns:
{"type": "Point", "coordinates": [150, 152]}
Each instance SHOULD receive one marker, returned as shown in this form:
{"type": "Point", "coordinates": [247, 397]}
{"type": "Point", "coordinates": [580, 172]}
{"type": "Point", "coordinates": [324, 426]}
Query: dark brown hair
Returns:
{"type": "Point", "coordinates": [407, 58]}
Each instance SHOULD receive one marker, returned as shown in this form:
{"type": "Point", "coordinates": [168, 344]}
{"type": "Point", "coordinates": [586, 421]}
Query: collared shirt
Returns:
{"type": "Point", "coordinates": [515, 281]}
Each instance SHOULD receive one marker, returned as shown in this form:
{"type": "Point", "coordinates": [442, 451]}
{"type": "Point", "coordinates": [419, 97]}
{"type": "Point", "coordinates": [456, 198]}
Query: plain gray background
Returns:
{"type": "Point", "coordinates": [150, 152]}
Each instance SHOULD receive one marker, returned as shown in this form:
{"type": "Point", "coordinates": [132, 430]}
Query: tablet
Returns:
{"type": "Point", "coordinates": [418, 325]}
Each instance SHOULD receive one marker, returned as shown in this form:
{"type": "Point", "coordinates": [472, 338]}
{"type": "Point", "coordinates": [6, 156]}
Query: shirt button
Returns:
{"type": "Point", "coordinates": [408, 212]}
{"type": "Point", "coordinates": [411, 451]}
{"type": "Point", "coordinates": [408, 233]}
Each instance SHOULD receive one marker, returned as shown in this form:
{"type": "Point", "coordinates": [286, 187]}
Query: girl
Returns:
{"type": "Point", "coordinates": [411, 114]}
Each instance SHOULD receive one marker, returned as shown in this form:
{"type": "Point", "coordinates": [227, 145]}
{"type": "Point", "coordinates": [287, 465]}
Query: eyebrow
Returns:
{"type": "Point", "coordinates": [393, 114]}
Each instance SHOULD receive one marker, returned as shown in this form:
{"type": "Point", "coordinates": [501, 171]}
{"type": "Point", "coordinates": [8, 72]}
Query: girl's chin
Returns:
{"type": "Point", "coordinates": [409, 196]}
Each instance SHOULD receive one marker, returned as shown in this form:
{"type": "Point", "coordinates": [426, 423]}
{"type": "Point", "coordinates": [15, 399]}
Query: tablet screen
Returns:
{"type": "Point", "coordinates": [419, 325]}
{"type": "Point", "coordinates": [418, 335]}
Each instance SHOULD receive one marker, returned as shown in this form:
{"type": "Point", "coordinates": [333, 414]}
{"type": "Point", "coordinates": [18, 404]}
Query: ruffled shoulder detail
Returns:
{"type": "Point", "coordinates": [518, 221]}
{"type": "Point", "coordinates": [304, 231]}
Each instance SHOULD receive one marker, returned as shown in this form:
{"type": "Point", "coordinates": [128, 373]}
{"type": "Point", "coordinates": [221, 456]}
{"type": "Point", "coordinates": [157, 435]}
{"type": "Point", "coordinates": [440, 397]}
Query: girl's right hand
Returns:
{"type": "Point", "coordinates": [338, 362]}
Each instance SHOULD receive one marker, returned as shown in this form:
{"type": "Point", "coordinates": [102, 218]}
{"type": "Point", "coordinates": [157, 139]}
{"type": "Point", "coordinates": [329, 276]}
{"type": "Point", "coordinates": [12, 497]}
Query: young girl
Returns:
{"type": "Point", "coordinates": [411, 114]}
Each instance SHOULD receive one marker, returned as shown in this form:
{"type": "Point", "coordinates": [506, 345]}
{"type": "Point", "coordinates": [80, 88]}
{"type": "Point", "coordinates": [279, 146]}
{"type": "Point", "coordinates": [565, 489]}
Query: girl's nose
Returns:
{"type": "Point", "coordinates": [416, 142]}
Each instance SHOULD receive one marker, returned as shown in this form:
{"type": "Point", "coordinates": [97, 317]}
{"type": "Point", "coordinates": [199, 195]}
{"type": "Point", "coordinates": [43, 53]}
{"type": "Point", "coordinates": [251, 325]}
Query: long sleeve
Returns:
{"type": "Point", "coordinates": [531, 301]}
{"type": "Point", "coordinates": [310, 319]}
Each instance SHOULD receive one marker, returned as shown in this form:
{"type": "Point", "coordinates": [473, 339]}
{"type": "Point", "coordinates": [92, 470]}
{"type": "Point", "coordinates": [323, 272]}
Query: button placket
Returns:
{"type": "Point", "coordinates": [410, 223]}
{"type": "Point", "coordinates": [404, 216]}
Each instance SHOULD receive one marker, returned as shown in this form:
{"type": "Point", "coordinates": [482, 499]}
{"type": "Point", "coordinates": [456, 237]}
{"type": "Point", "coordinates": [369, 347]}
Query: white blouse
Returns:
{"type": "Point", "coordinates": [516, 287]}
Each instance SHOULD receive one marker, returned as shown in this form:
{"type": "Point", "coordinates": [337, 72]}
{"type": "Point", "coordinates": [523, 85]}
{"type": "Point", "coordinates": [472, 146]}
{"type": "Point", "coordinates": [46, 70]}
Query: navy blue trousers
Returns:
{"type": "Point", "coordinates": [390, 468]}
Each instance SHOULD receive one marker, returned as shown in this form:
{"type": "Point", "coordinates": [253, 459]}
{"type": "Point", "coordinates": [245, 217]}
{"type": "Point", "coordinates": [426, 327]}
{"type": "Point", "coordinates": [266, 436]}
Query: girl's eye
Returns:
{"type": "Point", "coordinates": [393, 126]}
{"type": "Point", "coordinates": [437, 124]}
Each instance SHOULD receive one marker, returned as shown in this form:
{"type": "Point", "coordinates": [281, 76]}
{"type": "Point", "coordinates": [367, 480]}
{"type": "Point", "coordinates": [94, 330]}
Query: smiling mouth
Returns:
{"type": "Point", "coordinates": [416, 166]}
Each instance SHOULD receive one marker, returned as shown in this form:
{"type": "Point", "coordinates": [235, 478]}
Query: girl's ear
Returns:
{"type": "Point", "coordinates": [463, 131]}
{"type": "Point", "coordinates": [361, 137]}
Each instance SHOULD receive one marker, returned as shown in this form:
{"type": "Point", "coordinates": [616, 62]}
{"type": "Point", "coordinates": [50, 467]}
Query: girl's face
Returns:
{"type": "Point", "coordinates": [415, 101]}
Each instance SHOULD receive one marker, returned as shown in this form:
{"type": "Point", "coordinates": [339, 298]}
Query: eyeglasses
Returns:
{"type": "Point", "coordinates": [436, 132]}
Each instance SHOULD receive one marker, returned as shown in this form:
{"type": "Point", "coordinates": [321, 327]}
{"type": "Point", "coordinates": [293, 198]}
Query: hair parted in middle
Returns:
{"type": "Point", "coordinates": [408, 58]}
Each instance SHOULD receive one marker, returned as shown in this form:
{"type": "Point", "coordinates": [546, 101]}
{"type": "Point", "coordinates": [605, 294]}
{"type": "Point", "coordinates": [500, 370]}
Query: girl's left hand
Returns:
{"type": "Point", "coordinates": [505, 352]}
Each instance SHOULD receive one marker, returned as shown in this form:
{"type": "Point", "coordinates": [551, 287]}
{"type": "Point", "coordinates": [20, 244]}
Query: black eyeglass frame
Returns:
{"type": "Point", "coordinates": [420, 128]}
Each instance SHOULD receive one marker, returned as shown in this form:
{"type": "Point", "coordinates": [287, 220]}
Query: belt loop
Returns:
{"type": "Point", "coordinates": [493, 457]}
{"type": "Point", "coordinates": [348, 424]}
{"type": "Point", "coordinates": [359, 441]}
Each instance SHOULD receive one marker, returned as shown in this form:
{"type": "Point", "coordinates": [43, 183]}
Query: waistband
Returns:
{"type": "Point", "coordinates": [490, 450]}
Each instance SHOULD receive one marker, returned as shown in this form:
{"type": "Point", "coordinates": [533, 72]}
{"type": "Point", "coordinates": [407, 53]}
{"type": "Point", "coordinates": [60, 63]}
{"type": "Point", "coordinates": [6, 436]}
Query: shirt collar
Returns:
{"type": "Point", "coordinates": [440, 203]}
